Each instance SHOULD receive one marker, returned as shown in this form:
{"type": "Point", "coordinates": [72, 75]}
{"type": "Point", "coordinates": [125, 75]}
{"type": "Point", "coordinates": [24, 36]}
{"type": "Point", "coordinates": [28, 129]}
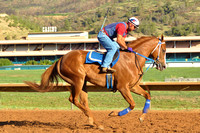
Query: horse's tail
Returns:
{"type": "Point", "coordinates": [60, 74]}
{"type": "Point", "coordinates": [47, 79]}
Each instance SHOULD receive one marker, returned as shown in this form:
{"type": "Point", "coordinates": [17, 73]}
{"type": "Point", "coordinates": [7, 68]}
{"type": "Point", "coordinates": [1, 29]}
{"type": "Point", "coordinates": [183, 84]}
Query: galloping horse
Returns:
{"type": "Point", "coordinates": [72, 69]}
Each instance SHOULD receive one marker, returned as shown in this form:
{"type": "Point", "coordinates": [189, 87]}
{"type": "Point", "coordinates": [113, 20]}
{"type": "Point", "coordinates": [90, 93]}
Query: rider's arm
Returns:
{"type": "Point", "coordinates": [121, 41]}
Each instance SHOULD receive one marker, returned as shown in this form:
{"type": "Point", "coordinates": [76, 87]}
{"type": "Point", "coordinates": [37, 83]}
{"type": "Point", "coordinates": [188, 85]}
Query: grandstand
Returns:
{"type": "Point", "coordinates": [179, 49]}
{"type": "Point", "coordinates": [183, 49]}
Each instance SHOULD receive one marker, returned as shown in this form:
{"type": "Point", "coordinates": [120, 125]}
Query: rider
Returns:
{"type": "Point", "coordinates": [106, 35]}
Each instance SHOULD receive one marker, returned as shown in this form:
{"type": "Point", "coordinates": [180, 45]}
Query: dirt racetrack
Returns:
{"type": "Point", "coordinates": [60, 121]}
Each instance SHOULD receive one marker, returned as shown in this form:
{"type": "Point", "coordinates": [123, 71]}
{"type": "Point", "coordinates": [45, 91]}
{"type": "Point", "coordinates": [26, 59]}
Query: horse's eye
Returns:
{"type": "Point", "coordinates": [164, 51]}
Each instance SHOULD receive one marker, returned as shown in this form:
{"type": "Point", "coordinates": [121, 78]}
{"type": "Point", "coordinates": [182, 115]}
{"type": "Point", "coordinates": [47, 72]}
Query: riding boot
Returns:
{"type": "Point", "coordinates": [111, 70]}
{"type": "Point", "coordinates": [105, 70]}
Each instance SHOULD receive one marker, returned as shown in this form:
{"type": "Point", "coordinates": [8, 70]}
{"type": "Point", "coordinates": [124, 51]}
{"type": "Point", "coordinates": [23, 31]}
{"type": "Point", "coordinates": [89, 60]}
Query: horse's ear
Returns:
{"type": "Point", "coordinates": [162, 37]}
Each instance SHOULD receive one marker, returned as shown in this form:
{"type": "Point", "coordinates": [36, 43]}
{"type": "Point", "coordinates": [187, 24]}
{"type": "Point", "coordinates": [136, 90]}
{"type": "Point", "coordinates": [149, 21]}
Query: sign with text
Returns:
{"type": "Point", "coordinates": [49, 29]}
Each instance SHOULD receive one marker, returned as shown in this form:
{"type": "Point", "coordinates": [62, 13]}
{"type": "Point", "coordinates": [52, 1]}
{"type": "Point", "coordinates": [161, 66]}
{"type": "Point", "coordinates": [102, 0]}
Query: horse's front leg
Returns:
{"type": "Point", "coordinates": [128, 97]}
{"type": "Point", "coordinates": [140, 91]}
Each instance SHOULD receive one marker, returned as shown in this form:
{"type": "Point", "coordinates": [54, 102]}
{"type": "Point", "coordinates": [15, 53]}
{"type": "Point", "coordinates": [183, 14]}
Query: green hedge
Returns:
{"type": "Point", "coordinates": [5, 62]}
{"type": "Point", "coordinates": [45, 62]}
{"type": "Point", "coordinates": [42, 62]}
{"type": "Point", "coordinates": [31, 62]}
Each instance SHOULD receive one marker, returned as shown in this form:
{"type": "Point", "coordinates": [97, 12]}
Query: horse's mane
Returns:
{"type": "Point", "coordinates": [140, 40]}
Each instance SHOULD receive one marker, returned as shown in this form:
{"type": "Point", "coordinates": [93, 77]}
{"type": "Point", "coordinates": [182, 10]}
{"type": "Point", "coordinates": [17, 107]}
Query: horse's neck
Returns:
{"type": "Point", "coordinates": [144, 49]}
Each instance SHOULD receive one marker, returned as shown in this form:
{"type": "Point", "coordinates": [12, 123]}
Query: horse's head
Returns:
{"type": "Point", "coordinates": [159, 54]}
{"type": "Point", "coordinates": [148, 45]}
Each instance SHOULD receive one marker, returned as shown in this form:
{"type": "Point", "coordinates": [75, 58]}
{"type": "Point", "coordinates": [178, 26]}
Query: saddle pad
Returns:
{"type": "Point", "coordinates": [93, 57]}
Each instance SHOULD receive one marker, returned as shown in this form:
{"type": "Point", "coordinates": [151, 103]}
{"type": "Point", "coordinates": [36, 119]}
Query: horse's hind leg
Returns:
{"type": "Point", "coordinates": [140, 91]}
{"type": "Point", "coordinates": [84, 101]}
{"type": "Point", "coordinates": [84, 96]}
{"type": "Point", "coordinates": [79, 91]}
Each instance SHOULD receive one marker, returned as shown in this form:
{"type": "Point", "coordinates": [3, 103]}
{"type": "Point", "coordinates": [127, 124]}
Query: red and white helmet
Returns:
{"type": "Point", "coordinates": [134, 21]}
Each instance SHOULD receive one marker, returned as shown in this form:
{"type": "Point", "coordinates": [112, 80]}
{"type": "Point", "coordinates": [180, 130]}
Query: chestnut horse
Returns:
{"type": "Point", "coordinates": [72, 69]}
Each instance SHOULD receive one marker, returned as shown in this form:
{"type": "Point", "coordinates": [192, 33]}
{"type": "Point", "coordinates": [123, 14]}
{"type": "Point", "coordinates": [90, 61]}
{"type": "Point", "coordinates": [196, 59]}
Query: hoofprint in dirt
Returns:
{"type": "Point", "coordinates": [42, 121]}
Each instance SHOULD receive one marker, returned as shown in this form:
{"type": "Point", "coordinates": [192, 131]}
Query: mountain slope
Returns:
{"type": "Point", "coordinates": [171, 17]}
{"type": "Point", "coordinates": [9, 32]}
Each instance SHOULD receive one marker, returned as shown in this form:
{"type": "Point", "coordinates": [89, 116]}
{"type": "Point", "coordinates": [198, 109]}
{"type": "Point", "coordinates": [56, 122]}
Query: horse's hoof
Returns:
{"type": "Point", "coordinates": [141, 120]}
{"type": "Point", "coordinates": [113, 113]}
{"type": "Point", "coordinates": [100, 127]}
{"type": "Point", "coordinates": [91, 121]}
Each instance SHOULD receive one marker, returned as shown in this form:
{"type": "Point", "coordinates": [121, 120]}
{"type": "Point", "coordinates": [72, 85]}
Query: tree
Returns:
{"type": "Point", "coordinates": [67, 25]}
{"type": "Point", "coordinates": [182, 30]}
{"type": "Point", "coordinates": [167, 8]}
{"type": "Point", "coordinates": [148, 28]}
{"type": "Point", "coordinates": [140, 8]}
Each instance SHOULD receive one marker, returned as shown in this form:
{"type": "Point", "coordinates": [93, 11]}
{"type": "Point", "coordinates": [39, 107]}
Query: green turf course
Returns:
{"type": "Point", "coordinates": [18, 76]}
{"type": "Point", "coordinates": [99, 100]}
{"type": "Point", "coordinates": [152, 75]}
{"type": "Point", "coordinates": [161, 100]}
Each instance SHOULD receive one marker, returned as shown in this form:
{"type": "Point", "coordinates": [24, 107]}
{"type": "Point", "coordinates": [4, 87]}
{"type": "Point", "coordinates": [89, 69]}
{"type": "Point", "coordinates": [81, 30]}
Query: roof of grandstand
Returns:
{"type": "Point", "coordinates": [58, 35]}
{"type": "Point", "coordinates": [92, 40]}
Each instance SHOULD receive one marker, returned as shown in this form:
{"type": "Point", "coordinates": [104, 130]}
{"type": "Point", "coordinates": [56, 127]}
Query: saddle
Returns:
{"type": "Point", "coordinates": [98, 57]}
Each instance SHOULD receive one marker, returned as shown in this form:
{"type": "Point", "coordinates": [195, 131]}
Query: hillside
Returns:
{"type": "Point", "coordinates": [45, 7]}
{"type": "Point", "coordinates": [171, 17]}
{"type": "Point", "coordinates": [9, 32]}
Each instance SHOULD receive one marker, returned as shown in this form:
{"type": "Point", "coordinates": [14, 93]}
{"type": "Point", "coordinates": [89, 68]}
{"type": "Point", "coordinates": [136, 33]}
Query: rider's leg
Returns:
{"type": "Point", "coordinates": [111, 47]}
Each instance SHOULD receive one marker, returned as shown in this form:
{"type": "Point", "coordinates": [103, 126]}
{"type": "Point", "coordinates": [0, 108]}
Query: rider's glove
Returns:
{"type": "Point", "coordinates": [130, 49]}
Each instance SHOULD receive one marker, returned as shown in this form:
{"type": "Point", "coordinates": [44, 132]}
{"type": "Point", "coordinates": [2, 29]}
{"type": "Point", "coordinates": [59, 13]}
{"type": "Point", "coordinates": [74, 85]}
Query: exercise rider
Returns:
{"type": "Point", "coordinates": [111, 31]}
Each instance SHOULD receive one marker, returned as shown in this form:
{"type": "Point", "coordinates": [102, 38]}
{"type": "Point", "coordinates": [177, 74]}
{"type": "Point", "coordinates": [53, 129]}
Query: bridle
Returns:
{"type": "Point", "coordinates": [154, 62]}
{"type": "Point", "coordinates": [158, 45]}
